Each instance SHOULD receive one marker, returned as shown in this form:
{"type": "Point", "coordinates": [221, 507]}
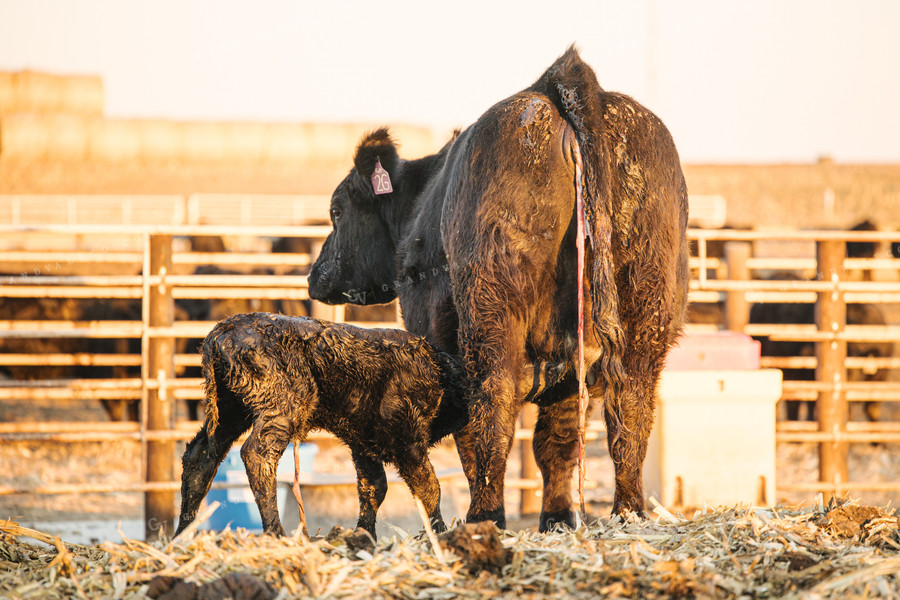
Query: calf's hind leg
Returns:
{"type": "Point", "coordinates": [201, 459]}
{"type": "Point", "coordinates": [267, 441]}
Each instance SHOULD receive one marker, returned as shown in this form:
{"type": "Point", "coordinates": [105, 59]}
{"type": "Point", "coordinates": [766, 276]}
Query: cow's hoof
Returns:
{"type": "Point", "coordinates": [498, 516]}
{"type": "Point", "coordinates": [627, 512]}
{"type": "Point", "coordinates": [552, 520]}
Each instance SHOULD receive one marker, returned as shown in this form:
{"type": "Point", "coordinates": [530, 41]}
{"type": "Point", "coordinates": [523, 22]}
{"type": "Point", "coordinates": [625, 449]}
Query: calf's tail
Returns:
{"type": "Point", "coordinates": [573, 88]}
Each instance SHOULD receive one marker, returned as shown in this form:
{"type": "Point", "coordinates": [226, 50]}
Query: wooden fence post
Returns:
{"type": "Point", "coordinates": [159, 506]}
{"type": "Point", "coordinates": [529, 498]}
{"type": "Point", "coordinates": [831, 317]}
{"type": "Point", "coordinates": [737, 309]}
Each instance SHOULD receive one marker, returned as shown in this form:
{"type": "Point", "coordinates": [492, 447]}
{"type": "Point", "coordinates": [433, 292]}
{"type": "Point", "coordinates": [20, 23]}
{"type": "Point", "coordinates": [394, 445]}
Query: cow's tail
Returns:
{"type": "Point", "coordinates": [572, 86]}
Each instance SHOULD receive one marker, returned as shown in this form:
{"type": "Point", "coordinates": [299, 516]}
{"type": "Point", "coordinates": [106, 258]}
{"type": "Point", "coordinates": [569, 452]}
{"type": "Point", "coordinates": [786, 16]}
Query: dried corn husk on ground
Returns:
{"type": "Point", "coordinates": [836, 551]}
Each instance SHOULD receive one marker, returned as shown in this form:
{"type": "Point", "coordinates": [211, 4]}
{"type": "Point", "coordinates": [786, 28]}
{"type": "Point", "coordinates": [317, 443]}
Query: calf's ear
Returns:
{"type": "Point", "coordinates": [376, 146]}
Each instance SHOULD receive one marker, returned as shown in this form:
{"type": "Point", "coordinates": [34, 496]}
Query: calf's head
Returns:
{"type": "Point", "coordinates": [357, 261]}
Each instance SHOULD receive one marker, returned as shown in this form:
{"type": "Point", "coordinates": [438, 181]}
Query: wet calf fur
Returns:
{"type": "Point", "coordinates": [385, 393]}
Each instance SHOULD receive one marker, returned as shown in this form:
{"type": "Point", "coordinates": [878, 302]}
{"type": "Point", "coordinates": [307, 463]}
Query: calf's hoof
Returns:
{"type": "Point", "coordinates": [552, 520]}
{"type": "Point", "coordinates": [277, 530]}
{"type": "Point", "coordinates": [438, 525]}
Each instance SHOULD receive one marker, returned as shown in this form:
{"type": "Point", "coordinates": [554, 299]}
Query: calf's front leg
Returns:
{"type": "Point", "coordinates": [371, 485]}
{"type": "Point", "coordinates": [423, 483]}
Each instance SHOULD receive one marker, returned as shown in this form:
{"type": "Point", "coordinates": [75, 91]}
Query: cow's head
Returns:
{"type": "Point", "coordinates": [357, 264]}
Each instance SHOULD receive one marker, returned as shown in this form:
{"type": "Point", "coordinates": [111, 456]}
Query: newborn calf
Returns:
{"type": "Point", "coordinates": [385, 393]}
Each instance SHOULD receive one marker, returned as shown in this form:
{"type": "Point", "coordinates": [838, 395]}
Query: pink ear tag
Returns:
{"type": "Point", "coordinates": [381, 179]}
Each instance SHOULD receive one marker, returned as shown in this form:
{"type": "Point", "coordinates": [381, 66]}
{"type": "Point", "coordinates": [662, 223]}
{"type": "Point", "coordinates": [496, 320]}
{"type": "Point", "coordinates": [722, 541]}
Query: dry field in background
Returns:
{"type": "Point", "coordinates": [797, 195]}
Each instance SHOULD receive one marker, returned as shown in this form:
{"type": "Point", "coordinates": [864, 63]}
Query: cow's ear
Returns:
{"type": "Point", "coordinates": [376, 146]}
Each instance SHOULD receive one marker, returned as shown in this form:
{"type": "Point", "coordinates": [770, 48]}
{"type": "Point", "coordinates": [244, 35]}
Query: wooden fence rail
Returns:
{"type": "Point", "coordinates": [731, 281]}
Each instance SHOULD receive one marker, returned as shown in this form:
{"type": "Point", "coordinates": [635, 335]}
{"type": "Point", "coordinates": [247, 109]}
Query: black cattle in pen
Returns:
{"type": "Point", "coordinates": [73, 309]}
{"type": "Point", "coordinates": [386, 394]}
{"type": "Point", "coordinates": [804, 314]}
{"type": "Point", "coordinates": [478, 242]}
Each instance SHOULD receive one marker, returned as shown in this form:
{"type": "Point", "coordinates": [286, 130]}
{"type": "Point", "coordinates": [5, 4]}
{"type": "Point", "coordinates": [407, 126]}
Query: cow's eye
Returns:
{"type": "Point", "coordinates": [335, 214]}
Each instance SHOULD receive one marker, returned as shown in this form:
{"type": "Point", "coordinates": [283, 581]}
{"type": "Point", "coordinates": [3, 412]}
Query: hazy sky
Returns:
{"type": "Point", "coordinates": [758, 81]}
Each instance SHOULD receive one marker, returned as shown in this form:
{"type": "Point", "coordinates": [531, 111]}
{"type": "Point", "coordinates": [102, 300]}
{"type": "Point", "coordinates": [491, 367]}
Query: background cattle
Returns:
{"type": "Point", "coordinates": [804, 314]}
{"type": "Point", "coordinates": [478, 242]}
{"type": "Point", "coordinates": [74, 309]}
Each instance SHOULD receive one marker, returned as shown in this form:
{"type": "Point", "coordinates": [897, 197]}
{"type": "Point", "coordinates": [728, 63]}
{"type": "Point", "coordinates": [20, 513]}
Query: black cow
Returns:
{"type": "Point", "coordinates": [804, 314]}
{"type": "Point", "coordinates": [387, 394]}
{"type": "Point", "coordinates": [478, 242]}
{"type": "Point", "coordinates": [74, 309]}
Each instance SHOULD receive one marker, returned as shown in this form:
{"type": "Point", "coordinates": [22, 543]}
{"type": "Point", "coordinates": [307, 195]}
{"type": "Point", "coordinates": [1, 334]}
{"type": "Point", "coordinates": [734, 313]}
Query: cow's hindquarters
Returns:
{"type": "Point", "coordinates": [504, 222]}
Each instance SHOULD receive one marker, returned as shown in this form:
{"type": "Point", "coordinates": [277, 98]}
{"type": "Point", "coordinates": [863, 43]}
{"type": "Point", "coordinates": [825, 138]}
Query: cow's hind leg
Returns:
{"type": "Point", "coordinates": [264, 447]}
{"type": "Point", "coordinates": [371, 485]}
{"type": "Point", "coordinates": [493, 413]}
{"type": "Point", "coordinates": [202, 458]}
{"type": "Point", "coordinates": [627, 443]}
{"type": "Point", "coordinates": [652, 321]}
{"type": "Point", "coordinates": [555, 451]}
{"type": "Point", "coordinates": [465, 448]}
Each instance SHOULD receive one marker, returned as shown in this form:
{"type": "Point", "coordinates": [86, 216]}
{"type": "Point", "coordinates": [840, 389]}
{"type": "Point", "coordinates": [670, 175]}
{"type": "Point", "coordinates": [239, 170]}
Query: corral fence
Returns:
{"type": "Point", "coordinates": [812, 267]}
{"type": "Point", "coordinates": [141, 254]}
{"type": "Point", "coordinates": [142, 251]}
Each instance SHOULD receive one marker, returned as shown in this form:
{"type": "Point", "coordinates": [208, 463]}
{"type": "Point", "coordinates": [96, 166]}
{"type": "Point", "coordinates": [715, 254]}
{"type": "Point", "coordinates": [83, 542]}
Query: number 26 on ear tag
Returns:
{"type": "Point", "coordinates": [381, 180]}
